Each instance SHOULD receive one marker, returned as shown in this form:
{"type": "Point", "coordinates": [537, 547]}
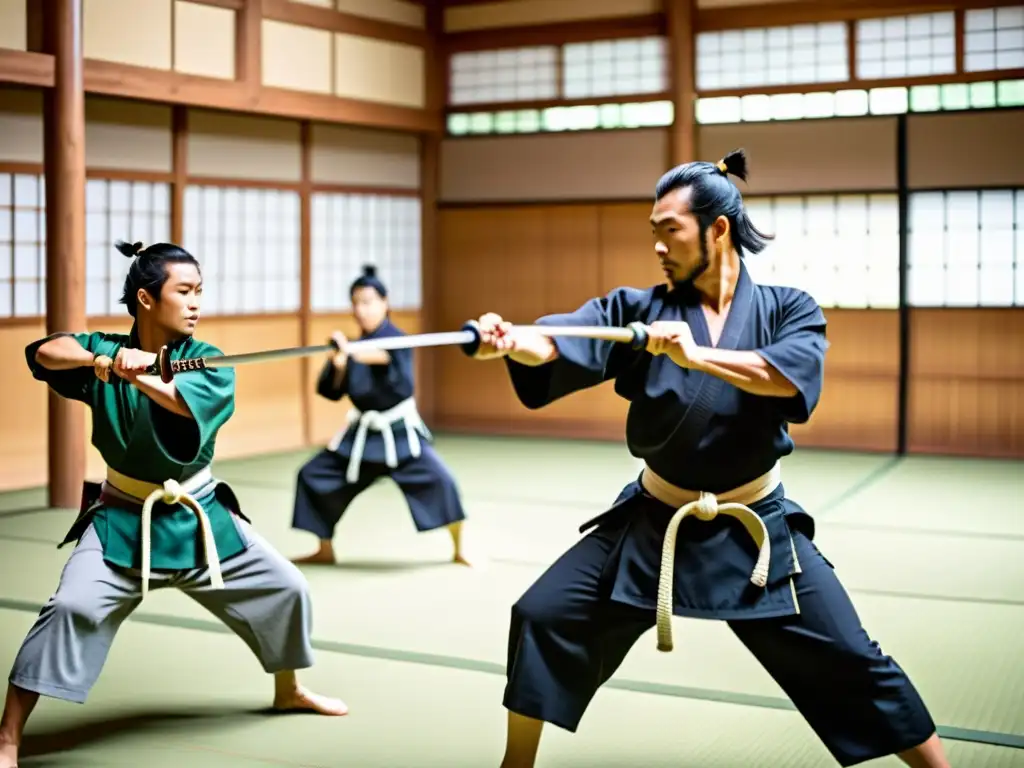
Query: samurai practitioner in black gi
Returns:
{"type": "Point", "coordinates": [383, 437]}
{"type": "Point", "coordinates": [728, 365]}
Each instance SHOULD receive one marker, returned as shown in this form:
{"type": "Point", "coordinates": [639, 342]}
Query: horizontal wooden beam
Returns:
{"type": "Point", "coordinates": [334, 109]}
{"type": "Point", "coordinates": [26, 68]}
{"type": "Point", "coordinates": [7, 166]}
{"type": "Point", "coordinates": [335, 21]}
{"type": "Point", "coordinates": [814, 11]}
{"type": "Point", "coordinates": [219, 181]}
{"type": "Point", "coordinates": [231, 5]}
{"type": "Point", "coordinates": [555, 34]}
{"type": "Point", "coordinates": [707, 20]}
{"type": "Point", "coordinates": [30, 321]}
{"type": "Point", "coordinates": [455, 3]}
{"type": "Point", "coordinates": [145, 84]}
{"type": "Point", "coordinates": [355, 189]}
{"type": "Point", "coordinates": [855, 84]}
{"type": "Point", "coordinates": [516, 106]}
{"type": "Point", "coordinates": [121, 174]}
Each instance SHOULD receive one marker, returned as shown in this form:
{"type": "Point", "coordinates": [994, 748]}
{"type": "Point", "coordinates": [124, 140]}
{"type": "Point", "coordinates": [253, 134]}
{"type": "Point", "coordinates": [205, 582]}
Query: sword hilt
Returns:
{"type": "Point", "coordinates": [470, 348]}
{"type": "Point", "coordinates": [634, 334]}
{"type": "Point", "coordinates": [640, 336]}
{"type": "Point", "coordinates": [166, 368]}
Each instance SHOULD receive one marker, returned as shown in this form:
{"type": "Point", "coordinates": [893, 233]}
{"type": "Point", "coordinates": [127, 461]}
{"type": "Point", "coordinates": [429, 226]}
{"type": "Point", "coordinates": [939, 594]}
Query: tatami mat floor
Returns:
{"type": "Point", "coordinates": [931, 549]}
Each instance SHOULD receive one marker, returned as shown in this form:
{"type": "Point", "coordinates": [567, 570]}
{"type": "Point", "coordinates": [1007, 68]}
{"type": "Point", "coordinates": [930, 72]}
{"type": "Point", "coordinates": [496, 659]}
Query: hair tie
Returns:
{"type": "Point", "coordinates": [722, 167]}
{"type": "Point", "coordinates": [131, 250]}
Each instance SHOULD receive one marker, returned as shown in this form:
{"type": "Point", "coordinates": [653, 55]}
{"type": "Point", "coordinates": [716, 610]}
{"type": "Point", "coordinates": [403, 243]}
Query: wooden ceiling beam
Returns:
{"type": "Point", "coordinates": [146, 84]}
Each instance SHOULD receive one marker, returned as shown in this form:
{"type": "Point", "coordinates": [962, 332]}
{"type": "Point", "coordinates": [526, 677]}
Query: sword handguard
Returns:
{"type": "Point", "coordinates": [470, 348]}
{"type": "Point", "coordinates": [163, 359]}
{"type": "Point", "coordinates": [162, 366]}
{"type": "Point", "coordinates": [165, 368]}
{"type": "Point", "coordinates": [640, 336]}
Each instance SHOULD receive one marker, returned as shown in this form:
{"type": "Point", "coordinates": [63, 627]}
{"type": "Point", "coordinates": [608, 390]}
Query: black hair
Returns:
{"type": "Point", "coordinates": [712, 194]}
{"type": "Point", "coordinates": [149, 269]}
{"type": "Point", "coordinates": [369, 279]}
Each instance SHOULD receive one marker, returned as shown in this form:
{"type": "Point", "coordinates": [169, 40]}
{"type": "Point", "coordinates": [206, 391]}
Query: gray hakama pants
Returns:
{"type": "Point", "coordinates": [265, 601]}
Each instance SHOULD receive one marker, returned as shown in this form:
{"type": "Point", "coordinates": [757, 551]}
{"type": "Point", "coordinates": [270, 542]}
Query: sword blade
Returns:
{"type": "Point", "coordinates": [442, 339]}
{"type": "Point", "coordinates": [411, 341]}
{"type": "Point", "coordinates": [230, 361]}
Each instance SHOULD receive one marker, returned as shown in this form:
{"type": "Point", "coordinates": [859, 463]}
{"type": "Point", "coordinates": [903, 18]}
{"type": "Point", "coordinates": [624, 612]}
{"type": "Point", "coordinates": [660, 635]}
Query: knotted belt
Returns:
{"type": "Point", "coordinates": [381, 421]}
{"type": "Point", "coordinates": [707, 506]}
{"type": "Point", "coordinates": [171, 492]}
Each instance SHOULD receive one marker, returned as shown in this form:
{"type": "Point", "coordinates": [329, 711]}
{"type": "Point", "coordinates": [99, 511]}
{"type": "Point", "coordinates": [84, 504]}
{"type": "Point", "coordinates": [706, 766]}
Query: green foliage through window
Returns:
{"type": "Point", "coordinates": [746, 109]}
{"type": "Point", "coordinates": [651, 114]}
{"type": "Point", "coordinates": [857, 103]}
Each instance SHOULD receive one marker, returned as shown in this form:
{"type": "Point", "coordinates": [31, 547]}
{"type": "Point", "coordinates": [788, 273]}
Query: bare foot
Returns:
{"type": "Point", "coordinates": [8, 755]}
{"type": "Point", "coordinates": [302, 700]}
{"type": "Point", "coordinates": [317, 558]}
{"type": "Point", "coordinates": [323, 556]}
{"type": "Point", "coordinates": [473, 561]}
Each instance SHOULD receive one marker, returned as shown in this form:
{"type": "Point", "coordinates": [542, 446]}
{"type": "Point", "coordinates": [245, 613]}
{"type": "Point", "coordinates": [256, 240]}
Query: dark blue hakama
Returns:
{"type": "Point", "coordinates": [571, 630]}
{"type": "Point", "coordinates": [323, 492]}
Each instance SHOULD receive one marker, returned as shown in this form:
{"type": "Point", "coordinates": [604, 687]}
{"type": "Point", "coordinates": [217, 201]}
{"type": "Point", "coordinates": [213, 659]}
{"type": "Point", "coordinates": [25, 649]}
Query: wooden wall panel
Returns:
{"type": "Point", "coordinates": [553, 167]}
{"type": "Point", "coordinates": [521, 13]}
{"type": "Point", "coordinates": [802, 156]}
{"type": "Point", "coordinates": [357, 156]}
{"type": "Point", "coordinates": [379, 71]}
{"type": "Point", "coordinates": [626, 247]}
{"type": "Point", "coordinates": [574, 274]}
{"type": "Point", "coordinates": [204, 40]}
{"type": "Point", "coordinates": [547, 259]}
{"type": "Point", "coordinates": [296, 57]}
{"type": "Point", "coordinates": [127, 135]}
{"type": "Point", "coordinates": [120, 134]}
{"type": "Point", "coordinates": [22, 412]}
{"type": "Point", "coordinates": [14, 25]}
{"type": "Point", "coordinates": [967, 382]}
{"type": "Point", "coordinates": [408, 14]}
{"type": "Point", "coordinates": [21, 125]}
{"type": "Point", "coordinates": [935, 159]}
{"type": "Point", "coordinates": [136, 32]}
{"type": "Point", "coordinates": [493, 260]}
{"type": "Point", "coordinates": [268, 408]}
{"type": "Point", "coordinates": [243, 146]}
{"type": "Point", "coordinates": [859, 402]}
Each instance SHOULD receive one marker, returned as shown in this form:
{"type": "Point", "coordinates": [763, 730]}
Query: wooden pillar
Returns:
{"type": "Point", "coordinates": [249, 46]}
{"type": "Point", "coordinates": [903, 198]}
{"type": "Point", "coordinates": [179, 170]}
{"type": "Point", "coordinates": [430, 151]}
{"type": "Point", "coordinates": [64, 158]}
{"type": "Point", "coordinates": [306, 277]}
{"type": "Point", "coordinates": [680, 16]}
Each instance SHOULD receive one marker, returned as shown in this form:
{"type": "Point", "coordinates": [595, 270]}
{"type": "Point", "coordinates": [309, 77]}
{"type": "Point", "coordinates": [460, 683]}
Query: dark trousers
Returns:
{"type": "Point", "coordinates": [322, 493]}
{"type": "Point", "coordinates": [567, 638]}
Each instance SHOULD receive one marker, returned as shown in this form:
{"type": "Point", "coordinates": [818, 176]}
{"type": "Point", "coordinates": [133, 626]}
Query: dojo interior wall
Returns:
{"type": "Point", "coordinates": [131, 142]}
{"type": "Point", "coordinates": [527, 224]}
{"type": "Point", "coordinates": [537, 224]}
{"type": "Point", "coordinates": [313, 171]}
